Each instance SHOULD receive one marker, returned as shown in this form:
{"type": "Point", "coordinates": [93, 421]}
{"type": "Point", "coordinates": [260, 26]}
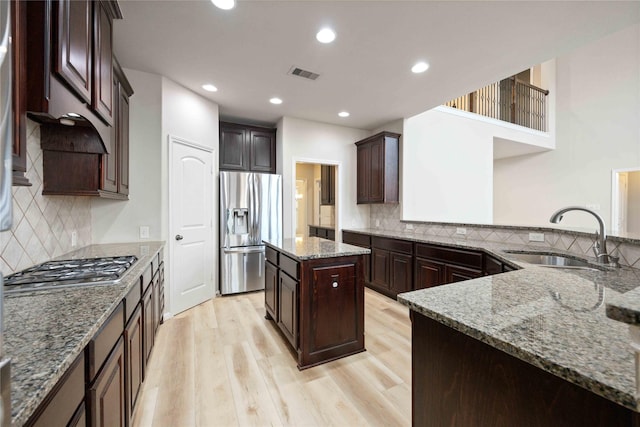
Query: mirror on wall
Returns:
{"type": "Point", "coordinates": [315, 197]}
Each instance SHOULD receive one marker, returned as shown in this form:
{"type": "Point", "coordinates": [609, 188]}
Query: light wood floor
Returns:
{"type": "Point", "coordinates": [222, 364]}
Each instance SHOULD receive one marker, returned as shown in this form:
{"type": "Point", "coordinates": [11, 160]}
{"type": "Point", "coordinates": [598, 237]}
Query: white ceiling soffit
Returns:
{"type": "Point", "coordinates": [248, 51]}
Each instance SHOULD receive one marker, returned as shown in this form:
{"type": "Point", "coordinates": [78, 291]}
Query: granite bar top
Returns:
{"type": "Point", "coordinates": [555, 319]}
{"type": "Point", "coordinates": [315, 247]}
{"type": "Point", "coordinates": [46, 330]}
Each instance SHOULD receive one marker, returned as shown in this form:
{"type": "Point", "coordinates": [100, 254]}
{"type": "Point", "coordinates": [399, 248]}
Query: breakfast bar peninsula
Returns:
{"type": "Point", "coordinates": [314, 292]}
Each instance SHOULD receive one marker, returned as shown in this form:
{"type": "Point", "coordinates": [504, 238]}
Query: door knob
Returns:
{"type": "Point", "coordinates": [179, 237]}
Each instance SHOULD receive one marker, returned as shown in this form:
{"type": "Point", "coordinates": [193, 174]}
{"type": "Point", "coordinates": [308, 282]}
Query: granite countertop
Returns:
{"type": "Point", "coordinates": [315, 247]}
{"type": "Point", "coordinates": [328, 227]}
{"type": "Point", "coordinates": [46, 330]}
{"type": "Point", "coordinates": [555, 319]}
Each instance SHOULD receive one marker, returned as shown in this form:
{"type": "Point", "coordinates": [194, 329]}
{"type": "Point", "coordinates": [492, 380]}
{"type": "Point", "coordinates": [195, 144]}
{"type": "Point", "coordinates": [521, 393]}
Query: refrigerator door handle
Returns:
{"type": "Point", "coordinates": [244, 250]}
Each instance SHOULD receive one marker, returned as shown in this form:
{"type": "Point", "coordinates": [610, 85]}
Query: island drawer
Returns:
{"type": "Point", "coordinates": [356, 239]}
{"type": "Point", "coordinates": [289, 266]}
{"type": "Point", "coordinates": [454, 256]}
{"type": "Point", "coordinates": [101, 344]}
{"type": "Point", "coordinates": [394, 245]}
{"type": "Point", "coordinates": [271, 255]}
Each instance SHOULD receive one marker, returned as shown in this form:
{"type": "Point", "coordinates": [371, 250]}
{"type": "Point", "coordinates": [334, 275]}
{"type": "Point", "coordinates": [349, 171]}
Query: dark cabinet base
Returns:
{"type": "Point", "coordinates": [460, 381]}
{"type": "Point", "coordinates": [319, 305]}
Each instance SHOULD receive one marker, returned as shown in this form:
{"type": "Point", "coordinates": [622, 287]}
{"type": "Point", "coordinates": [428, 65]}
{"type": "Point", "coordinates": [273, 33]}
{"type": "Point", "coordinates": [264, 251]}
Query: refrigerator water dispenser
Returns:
{"type": "Point", "coordinates": [239, 219]}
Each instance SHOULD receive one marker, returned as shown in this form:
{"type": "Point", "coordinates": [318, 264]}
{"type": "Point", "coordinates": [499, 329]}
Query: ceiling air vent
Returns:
{"type": "Point", "coordinates": [303, 73]}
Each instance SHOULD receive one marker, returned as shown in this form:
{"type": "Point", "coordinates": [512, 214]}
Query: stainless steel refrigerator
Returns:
{"type": "Point", "coordinates": [250, 212]}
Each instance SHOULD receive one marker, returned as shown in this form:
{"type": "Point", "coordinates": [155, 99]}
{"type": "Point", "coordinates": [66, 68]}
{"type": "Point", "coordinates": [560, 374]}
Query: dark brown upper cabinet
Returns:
{"type": "Point", "coordinates": [327, 185]}
{"type": "Point", "coordinates": [74, 50]}
{"type": "Point", "coordinates": [103, 98]}
{"type": "Point", "coordinates": [19, 88]}
{"type": "Point", "coordinates": [378, 168]}
{"type": "Point", "coordinates": [70, 69]}
{"type": "Point", "coordinates": [247, 148]}
{"type": "Point", "coordinates": [115, 165]}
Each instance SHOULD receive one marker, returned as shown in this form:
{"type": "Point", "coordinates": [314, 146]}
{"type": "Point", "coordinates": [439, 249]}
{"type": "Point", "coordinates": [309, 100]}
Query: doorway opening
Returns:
{"type": "Point", "coordinates": [625, 201]}
{"type": "Point", "coordinates": [315, 197]}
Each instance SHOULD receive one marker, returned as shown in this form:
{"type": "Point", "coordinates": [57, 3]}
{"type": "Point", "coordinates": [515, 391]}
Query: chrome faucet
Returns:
{"type": "Point", "coordinates": [600, 246]}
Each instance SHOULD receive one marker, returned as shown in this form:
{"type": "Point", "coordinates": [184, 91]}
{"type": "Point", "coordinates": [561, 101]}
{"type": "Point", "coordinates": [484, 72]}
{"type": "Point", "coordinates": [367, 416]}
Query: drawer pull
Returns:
{"type": "Point", "coordinates": [334, 284]}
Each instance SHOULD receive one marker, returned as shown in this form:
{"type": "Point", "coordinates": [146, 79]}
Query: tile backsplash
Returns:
{"type": "Point", "coordinates": [387, 217]}
{"type": "Point", "coordinates": [42, 225]}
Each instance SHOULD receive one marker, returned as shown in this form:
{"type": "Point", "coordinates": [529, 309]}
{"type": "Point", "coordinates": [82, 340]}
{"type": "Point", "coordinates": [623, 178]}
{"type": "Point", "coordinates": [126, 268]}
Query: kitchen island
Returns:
{"type": "Point", "coordinates": [314, 293]}
{"type": "Point", "coordinates": [51, 335]}
{"type": "Point", "coordinates": [527, 347]}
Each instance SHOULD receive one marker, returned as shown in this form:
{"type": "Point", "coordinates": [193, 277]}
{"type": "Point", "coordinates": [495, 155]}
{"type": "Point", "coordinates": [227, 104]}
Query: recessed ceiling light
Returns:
{"type": "Point", "coordinates": [420, 67]}
{"type": "Point", "coordinates": [210, 88]}
{"type": "Point", "coordinates": [326, 35]}
{"type": "Point", "coordinates": [224, 4]}
{"type": "Point", "coordinates": [343, 114]}
{"type": "Point", "coordinates": [276, 101]}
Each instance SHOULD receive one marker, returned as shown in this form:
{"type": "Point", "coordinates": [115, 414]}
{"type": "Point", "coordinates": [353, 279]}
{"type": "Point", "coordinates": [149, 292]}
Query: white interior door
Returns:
{"type": "Point", "coordinates": [191, 225]}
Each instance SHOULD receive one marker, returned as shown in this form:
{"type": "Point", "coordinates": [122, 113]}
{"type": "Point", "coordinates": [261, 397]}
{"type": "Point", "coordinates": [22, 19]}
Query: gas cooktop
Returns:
{"type": "Point", "coordinates": [70, 272]}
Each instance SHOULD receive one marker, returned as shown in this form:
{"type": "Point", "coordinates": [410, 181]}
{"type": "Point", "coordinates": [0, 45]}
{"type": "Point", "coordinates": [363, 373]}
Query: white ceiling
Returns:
{"type": "Point", "coordinates": [247, 51]}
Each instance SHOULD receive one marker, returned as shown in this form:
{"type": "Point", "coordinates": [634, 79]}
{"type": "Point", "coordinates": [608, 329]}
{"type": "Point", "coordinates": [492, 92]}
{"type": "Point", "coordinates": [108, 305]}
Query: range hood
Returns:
{"type": "Point", "coordinates": [67, 115]}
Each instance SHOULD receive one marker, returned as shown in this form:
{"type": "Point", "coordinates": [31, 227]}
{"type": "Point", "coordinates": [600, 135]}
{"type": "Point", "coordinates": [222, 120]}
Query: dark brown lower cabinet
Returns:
{"type": "Point", "coordinates": [271, 290]}
{"type": "Point", "coordinates": [80, 417]}
{"type": "Point", "coordinates": [391, 271]}
{"type": "Point", "coordinates": [460, 381]}
{"type": "Point", "coordinates": [288, 310]}
{"type": "Point", "coordinates": [401, 273]}
{"type": "Point", "coordinates": [380, 259]}
{"type": "Point", "coordinates": [61, 405]}
{"type": "Point", "coordinates": [364, 241]}
{"type": "Point", "coordinates": [428, 273]}
{"type": "Point", "coordinates": [134, 350]}
{"type": "Point", "coordinates": [332, 322]}
{"type": "Point", "coordinates": [107, 395]}
{"type": "Point", "coordinates": [320, 311]}
{"type": "Point", "coordinates": [147, 316]}
{"type": "Point", "coordinates": [456, 273]}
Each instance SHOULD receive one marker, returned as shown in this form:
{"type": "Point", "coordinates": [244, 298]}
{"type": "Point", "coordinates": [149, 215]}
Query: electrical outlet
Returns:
{"type": "Point", "coordinates": [461, 230]}
{"type": "Point", "coordinates": [536, 237]}
{"type": "Point", "coordinates": [409, 226]}
{"type": "Point", "coordinates": [74, 238]}
{"type": "Point", "coordinates": [144, 232]}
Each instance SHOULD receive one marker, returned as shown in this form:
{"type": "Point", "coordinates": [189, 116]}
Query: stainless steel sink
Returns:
{"type": "Point", "coordinates": [550, 260]}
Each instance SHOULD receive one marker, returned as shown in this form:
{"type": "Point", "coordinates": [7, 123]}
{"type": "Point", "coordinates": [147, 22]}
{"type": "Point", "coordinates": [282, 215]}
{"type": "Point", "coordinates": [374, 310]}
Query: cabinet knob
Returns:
{"type": "Point", "coordinates": [334, 284]}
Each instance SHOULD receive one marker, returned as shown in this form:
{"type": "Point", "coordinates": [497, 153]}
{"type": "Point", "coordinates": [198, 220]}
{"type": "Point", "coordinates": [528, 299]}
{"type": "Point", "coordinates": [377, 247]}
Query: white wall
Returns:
{"type": "Point", "coordinates": [119, 221]}
{"type": "Point", "coordinates": [304, 140]}
{"type": "Point", "coordinates": [193, 118]}
{"type": "Point", "coordinates": [598, 105]}
{"type": "Point", "coordinates": [447, 170]}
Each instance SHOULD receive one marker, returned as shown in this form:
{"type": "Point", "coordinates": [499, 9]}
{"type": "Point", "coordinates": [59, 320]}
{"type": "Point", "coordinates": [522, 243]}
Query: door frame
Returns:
{"type": "Point", "coordinates": [292, 196]}
{"type": "Point", "coordinates": [172, 140]}
{"type": "Point", "coordinates": [615, 202]}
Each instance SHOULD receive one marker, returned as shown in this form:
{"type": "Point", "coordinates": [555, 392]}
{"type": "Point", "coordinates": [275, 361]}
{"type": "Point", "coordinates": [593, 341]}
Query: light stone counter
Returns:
{"type": "Point", "coordinates": [47, 330]}
{"type": "Point", "coordinates": [315, 247]}
{"type": "Point", "coordinates": [555, 319]}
